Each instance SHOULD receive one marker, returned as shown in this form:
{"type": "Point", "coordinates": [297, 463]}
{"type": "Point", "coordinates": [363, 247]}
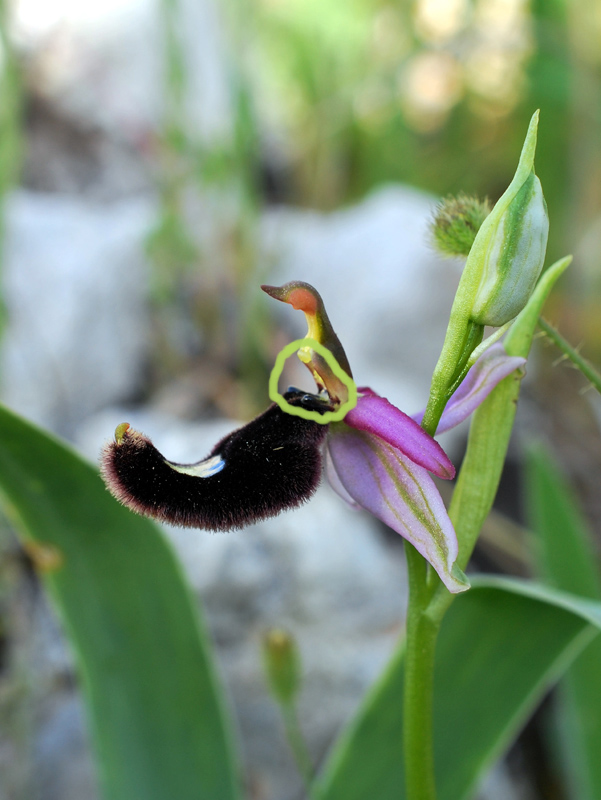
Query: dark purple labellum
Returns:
{"type": "Point", "coordinates": [270, 465]}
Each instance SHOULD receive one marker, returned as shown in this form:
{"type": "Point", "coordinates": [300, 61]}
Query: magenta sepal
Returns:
{"type": "Point", "coordinates": [374, 414]}
{"type": "Point", "coordinates": [390, 485]}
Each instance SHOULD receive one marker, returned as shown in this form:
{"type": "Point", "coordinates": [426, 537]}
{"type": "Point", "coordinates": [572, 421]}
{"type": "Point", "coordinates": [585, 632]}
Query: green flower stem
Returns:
{"type": "Point", "coordinates": [566, 348]}
{"type": "Point", "coordinates": [419, 683]}
{"type": "Point", "coordinates": [462, 338]}
{"type": "Point", "coordinates": [473, 497]}
{"type": "Point", "coordinates": [298, 746]}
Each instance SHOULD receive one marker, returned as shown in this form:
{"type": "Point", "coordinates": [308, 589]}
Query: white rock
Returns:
{"type": "Point", "coordinates": [105, 63]}
{"type": "Point", "coordinates": [76, 282]}
{"type": "Point", "coordinates": [75, 288]}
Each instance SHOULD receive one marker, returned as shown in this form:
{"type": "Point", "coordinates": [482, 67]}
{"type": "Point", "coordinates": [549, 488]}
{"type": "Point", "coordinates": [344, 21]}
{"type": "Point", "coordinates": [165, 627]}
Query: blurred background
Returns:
{"type": "Point", "coordinates": [159, 160]}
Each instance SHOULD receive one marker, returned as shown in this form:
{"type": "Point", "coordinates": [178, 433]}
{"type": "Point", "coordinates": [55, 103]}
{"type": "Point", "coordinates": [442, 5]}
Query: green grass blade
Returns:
{"type": "Point", "coordinates": [589, 610]}
{"type": "Point", "coordinates": [563, 542]}
{"type": "Point", "coordinates": [580, 723]}
{"type": "Point", "coordinates": [500, 648]}
{"type": "Point", "coordinates": [568, 560]}
{"type": "Point", "coordinates": [156, 716]}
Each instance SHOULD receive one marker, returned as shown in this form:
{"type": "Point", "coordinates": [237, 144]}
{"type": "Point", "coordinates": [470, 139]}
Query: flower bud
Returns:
{"type": "Point", "coordinates": [456, 222]}
{"type": "Point", "coordinates": [508, 253]}
{"type": "Point", "coordinates": [282, 665]}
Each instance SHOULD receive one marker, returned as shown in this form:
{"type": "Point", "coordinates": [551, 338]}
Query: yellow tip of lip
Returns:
{"type": "Point", "coordinates": [120, 432]}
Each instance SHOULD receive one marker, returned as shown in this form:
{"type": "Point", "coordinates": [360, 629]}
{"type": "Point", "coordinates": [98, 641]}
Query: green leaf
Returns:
{"type": "Point", "coordinates": [501, 646]}
{"type": "Point", "coordinates": [563, 543]}
{"type": "Point", "coordinates": [589, 610]}
{"type": "Point", "coordinates": [568, 560]}
{"type": "Point", "coordinates": [156, 715]}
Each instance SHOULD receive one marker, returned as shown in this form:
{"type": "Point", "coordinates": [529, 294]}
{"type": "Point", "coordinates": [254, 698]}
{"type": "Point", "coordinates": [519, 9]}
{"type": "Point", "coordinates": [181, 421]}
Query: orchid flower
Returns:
{"type": "Point", "coordinates": [377, 457]}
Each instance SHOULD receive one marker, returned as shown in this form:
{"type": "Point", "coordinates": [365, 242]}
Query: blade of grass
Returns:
{"type": "Point", "coordinates": [567, 559]}
{"type": "Point", "coordinates": [156, 714]}
{"type": "Point", "coordinates": [501, 646]}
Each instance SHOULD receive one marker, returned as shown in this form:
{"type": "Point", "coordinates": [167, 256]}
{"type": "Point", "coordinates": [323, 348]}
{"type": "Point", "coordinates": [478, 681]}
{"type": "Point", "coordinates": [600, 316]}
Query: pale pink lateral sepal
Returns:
{"type": "Point", "coordinates": [336, 484]}
{"type": "Point", "coordinates": [402, 494]}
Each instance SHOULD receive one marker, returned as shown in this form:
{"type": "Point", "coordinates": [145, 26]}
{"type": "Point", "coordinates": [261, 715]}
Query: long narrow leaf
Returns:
{"type": "Point", "coordinates": [567, 559]}
{"type": "Point", "coordinates": [156, 715]}
{"type": "Point", "coordinates": [500, 648]}
{"type": "Point", "coordinates": [589, 610]}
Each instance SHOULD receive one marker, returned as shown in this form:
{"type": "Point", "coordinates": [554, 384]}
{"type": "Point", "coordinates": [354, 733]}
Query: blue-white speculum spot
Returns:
{"type": "Point", "coordinates": [203, 469]}
{"type": "Point", "coordinates": [376, 457]}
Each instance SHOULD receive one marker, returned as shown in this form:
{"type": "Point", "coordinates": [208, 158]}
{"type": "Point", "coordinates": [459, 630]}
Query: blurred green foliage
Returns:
{"type": "Point", "coordinates": [10, 123]}
{"type": "Point", "coordinates": [438, 95]}
{"type": "Point", "coordinates": [10, 109]}
{"type": "Point", "coordinates": [330, 100]}
{"type": "Point", "coordinates": [213, 284]}
{"type": "Point", "coordinates": [566, 557]}
{"type": "Point", "coordinates": [157, 717]}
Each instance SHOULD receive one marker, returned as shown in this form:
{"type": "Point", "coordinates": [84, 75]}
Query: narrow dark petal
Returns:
{"type": "Point", "coordinates": [272, 464]}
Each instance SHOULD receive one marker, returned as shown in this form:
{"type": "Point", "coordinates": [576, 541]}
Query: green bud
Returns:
{"type": "Point", "coordinates": [508, 253]}
{"type": "Point", "coordinates": [456, 222]}
{"type": "Point", "coordinates": [500, 274]}
{"type": "Point", "coordinates": [282, 665]}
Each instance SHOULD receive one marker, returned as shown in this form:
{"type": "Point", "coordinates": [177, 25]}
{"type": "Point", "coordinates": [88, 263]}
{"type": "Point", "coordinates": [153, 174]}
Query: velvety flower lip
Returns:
{"type": "Point", "coordinates": [374, 414]}
{"type": "Point", "coordinates": [271, 464]}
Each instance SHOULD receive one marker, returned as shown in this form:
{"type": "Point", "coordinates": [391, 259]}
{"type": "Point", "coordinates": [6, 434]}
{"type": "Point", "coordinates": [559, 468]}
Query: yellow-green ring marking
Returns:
{"type": "Point", "coordinates": [328, 416]}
